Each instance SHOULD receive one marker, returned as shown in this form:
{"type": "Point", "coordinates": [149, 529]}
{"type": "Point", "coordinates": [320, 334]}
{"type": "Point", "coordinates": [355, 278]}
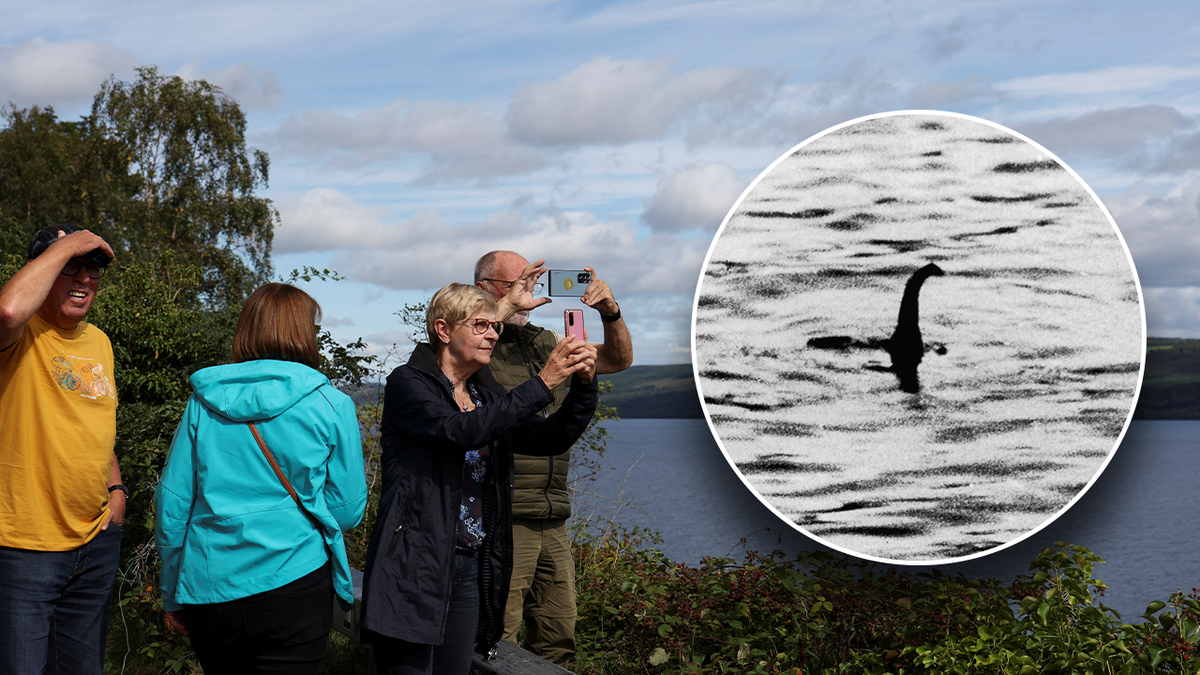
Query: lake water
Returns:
{"type": "Point", "coordinates": [1140, 515]}
{"type": "Point", "coordinates": [1037, 325]}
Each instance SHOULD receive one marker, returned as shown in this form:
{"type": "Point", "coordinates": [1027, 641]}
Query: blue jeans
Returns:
{"type": "Point", "coordinates": [453, 656]}
{"type": "Point", "coordinates": [55, 606]}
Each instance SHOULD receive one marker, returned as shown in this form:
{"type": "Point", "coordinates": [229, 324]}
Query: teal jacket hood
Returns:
{"type": "Point", "coordinates": [255, 390]}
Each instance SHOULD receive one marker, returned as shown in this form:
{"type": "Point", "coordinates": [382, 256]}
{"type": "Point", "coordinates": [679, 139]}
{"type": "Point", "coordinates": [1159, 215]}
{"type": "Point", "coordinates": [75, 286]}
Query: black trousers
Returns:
{"type": "Point", "coordinates": [280, 631]}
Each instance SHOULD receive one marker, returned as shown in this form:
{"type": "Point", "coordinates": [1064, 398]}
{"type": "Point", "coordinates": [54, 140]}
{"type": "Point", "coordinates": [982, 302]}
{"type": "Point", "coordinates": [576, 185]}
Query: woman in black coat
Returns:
{"type": "Point", "coordinates": [441, 552]}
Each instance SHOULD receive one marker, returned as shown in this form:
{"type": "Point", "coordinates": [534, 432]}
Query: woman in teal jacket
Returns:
{"type": "Point", "coordinates": [245, 571]}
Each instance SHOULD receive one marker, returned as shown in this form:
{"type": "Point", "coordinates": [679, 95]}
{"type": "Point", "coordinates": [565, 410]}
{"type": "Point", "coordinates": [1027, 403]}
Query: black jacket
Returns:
{"type": "Point", "coordinates": [425, 437]}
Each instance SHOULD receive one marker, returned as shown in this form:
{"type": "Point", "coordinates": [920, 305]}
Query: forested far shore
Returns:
{"type": "Point", "coordinates": [1171, 385]}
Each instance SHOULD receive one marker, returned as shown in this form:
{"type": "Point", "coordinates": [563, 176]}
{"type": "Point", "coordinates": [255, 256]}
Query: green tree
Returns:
{"type": "Point", "coordinates": [53, 171]}
{"type": "Point", "coordinates": [160, 164]}
{"type": "Point", "coordinates": [11, 241]}
{"type": "Point", "coordinates": [186, 143]}
{"type": "Point", "coordinates": [38, 167]}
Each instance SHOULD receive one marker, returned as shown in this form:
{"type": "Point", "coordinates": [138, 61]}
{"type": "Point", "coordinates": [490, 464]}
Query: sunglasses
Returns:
{"type": "Point", "coordinates": [73, 266]}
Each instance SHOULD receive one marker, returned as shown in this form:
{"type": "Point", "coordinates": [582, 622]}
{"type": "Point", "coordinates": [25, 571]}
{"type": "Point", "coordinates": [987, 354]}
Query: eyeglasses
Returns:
{"type": "Point", "coordinates": [537, 288]}
{"type": "Point", "coordinates": [73, 266]}
{"type": "Point", "coordinates": [480, 326]}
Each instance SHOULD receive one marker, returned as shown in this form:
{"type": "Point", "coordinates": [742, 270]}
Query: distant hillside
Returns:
{"type": "Point", "coordinates": [654, 391]}
{"type": "Point", "coordinates": [1170, 389]}
{"type": "Point", "coordinates": [640, 391]}
{"type": "Point", "coordinates": [1171, 386]}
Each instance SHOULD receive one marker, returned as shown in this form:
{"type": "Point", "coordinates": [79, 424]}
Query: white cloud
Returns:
{"type": "Point", "coordinates": [432, 126]}
{"type": "Point", "coordinates": [939, 44]}
{"type": "Point", "coordinates": [1181, 155]}
{"type": "Point", "coordinates": [462, 140]}
{"type": "Point", "coordinates": [251, 87]}
{"type": "Point", "coordinates": [1118, 79]}
{"type": "Point", "coordinates": [37, 72]}
{"type": "Point", "coordinates": [399, 127]}
{"type": "Point", "coordinates": [295, 29]}
{"type": "Point", "coordinates": [1162, 231]}
{"type": "Point", "coordinates": [863, 85]}
{"type": "Point", "coordinates": [603, 101]}
{"type": "Point", "coordinates": [1172, 312]}
{"type": "Point", "coordinates": [607, 101]}
{"type": "Point", "coordinates": [326, 219]}
{"type": "Point", "coordinates": [797, 110]}
{"type": "Point", "coordinates": [698, 197]}
{"type": "Point", "coordinates": [663, 265]}
{"type": "Point", "coordinates": [336, 321]}
{"type": "Point", "coordinates": [482, 164]}
{"type": "Point", "coordinates": [1127, 133]}
{"type": "Point", "coordinates": [426, 251]}
{"type": "Point", "coordinates": [661, 328]}
{"type": "Point", "coordinates": [950, 95]}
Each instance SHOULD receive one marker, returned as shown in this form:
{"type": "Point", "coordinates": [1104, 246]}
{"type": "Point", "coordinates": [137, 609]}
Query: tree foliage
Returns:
{"type": "Point", "coordinates": [160, 164]}
{"type": "Point", "coordinates": [53, 171]}
{"type": "Point", "coordinates": [195, 195]}
{"type": "Point", "coordinates": [11, 241]}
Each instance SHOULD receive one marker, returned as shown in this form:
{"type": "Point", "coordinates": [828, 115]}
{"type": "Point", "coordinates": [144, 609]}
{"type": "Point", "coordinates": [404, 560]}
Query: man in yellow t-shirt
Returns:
{"type": "Point", "coordinates": [61, 498]}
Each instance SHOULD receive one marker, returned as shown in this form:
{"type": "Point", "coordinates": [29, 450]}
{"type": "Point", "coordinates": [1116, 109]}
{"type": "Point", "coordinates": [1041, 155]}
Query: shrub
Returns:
{"type": "Point", "coordinates": [829, 613]}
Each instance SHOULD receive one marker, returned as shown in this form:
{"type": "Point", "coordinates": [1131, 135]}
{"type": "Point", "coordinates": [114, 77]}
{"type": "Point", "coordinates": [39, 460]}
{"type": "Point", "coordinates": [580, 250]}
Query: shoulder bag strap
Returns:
{"type": "Point", "coordinates": [282, 478]}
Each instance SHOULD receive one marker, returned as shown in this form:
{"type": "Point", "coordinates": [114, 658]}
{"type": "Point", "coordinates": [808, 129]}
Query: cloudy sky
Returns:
{"type": "Point", "coordinates": [408, 138]}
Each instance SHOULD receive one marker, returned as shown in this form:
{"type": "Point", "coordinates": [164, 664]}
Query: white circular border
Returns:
{"type": "Point", "coordinates": [893, 561]}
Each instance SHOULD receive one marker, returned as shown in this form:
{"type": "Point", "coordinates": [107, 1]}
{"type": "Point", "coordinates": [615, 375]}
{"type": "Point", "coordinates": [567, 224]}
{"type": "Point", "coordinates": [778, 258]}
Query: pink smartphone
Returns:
{"type": "Point", "coordinates": [573, 323]}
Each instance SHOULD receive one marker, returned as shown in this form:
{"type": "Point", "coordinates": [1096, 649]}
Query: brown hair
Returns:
{"type": "Point", "coordinates": [278, 322]}
{"type": "Point", "coordinates": [455, 303]}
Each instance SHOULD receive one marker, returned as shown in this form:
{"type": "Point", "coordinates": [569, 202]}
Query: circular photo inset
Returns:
{"type": "Point", "coordinates": [919, 337]}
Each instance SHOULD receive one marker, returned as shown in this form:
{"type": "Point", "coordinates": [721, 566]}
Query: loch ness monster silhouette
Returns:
{"type": "Point", "coordinates": [905, 345]}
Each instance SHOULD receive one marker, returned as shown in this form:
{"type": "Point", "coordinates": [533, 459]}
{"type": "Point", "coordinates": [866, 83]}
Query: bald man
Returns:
{"type": "Point", "coordinates": [542, 590]}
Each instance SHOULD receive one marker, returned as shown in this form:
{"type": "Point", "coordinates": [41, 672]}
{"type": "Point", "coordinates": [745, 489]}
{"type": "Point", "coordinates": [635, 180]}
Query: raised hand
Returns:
{"type": "Point", "coordinates": [520, 294]}
{"type": "Point", "coordinates": [599, 296]}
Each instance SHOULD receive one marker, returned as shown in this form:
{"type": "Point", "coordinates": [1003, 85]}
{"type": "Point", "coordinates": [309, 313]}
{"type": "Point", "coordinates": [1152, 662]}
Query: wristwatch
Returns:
{"type": "Point", "coordinates": [612, 317]}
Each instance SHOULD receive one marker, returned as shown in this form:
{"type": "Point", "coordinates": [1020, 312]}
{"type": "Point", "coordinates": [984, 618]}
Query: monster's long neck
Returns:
{"type": "Point", "coordinates": [909, 312]}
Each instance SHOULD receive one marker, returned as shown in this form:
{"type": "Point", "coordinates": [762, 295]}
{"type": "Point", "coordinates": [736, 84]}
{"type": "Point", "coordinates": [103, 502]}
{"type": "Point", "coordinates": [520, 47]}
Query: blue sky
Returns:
{"type": "Point", "coordinates": [408, 138]}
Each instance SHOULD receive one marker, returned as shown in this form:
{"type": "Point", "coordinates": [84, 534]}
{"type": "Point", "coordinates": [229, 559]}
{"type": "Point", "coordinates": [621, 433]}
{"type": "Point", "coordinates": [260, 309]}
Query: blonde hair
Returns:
{"type": "Point", "coordinates": [278, 322]}
{"type": "Point", "coordinates": [453, 304]}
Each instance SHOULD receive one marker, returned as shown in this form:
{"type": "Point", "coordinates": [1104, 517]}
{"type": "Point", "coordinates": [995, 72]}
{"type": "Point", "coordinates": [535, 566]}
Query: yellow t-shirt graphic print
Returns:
{"type": "Point", "coordinates": [84, 376]}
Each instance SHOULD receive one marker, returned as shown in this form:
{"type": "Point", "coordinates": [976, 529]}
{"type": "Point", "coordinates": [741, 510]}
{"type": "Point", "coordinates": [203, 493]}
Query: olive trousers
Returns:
{"type": "Point", "coordinates": [542, 590]}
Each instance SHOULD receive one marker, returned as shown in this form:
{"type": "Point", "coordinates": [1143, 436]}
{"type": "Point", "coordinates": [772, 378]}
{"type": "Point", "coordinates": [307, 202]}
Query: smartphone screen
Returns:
{"type": "Point", "coordinates": [573, 324]}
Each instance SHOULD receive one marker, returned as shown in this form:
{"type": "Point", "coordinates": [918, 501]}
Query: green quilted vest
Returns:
{"type": "Point", "coordinates": [540, 490]}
